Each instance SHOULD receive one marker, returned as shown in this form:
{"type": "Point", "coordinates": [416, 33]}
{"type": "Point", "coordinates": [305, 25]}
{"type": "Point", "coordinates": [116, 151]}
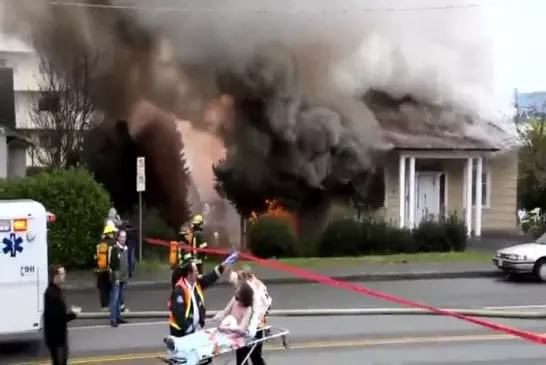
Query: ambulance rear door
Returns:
{"type": "Point", "coordinates": [23, 265]}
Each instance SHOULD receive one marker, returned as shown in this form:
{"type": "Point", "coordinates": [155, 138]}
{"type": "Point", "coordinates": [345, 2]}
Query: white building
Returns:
{"type": "Point", "coordinates": [22, 60]}
{"type": "Point", "coordinates": [14, 152]}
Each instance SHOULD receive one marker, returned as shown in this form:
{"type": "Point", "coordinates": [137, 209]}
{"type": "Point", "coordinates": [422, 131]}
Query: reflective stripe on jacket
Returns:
{"type": "Point", "coordinates": [187, 301]}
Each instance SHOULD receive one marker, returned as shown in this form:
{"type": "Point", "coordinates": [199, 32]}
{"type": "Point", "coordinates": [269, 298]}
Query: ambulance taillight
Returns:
{"type": "Point", "coordinates": [20, 225]}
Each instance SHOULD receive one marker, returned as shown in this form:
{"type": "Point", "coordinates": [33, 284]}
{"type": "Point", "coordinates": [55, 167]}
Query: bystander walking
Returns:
{"type": "Point", "coordinates": [56, 316]}
{"type": "Point", "coordinates": [119, 265]}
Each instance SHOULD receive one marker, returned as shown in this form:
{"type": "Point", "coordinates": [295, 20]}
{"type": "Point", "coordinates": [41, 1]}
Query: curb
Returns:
{"type": "Point", "coordinates": [386, 276]}
{"type": "Point", "coordinates": [331, 312]}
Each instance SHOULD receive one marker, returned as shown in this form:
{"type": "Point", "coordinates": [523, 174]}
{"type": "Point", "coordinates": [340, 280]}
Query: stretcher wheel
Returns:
{"type": "Point", "coordinates": [169, 343]}
{"type": "Point", "coordinates": [284, 340]}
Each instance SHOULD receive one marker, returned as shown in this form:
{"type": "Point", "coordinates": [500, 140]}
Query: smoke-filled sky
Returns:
{"type": "Point", "coordinates": [520, 50]}
{"type": "Point", "coordinates": [286, 80]}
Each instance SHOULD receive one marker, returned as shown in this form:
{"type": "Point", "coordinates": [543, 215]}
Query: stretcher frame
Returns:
{"type": "Point", "coordinates": [270, 333]}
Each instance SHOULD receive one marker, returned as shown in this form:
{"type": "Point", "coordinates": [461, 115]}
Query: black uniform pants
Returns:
{"type": "Point", "coordinates": [59, 354]}
{"type": "Point", "coordinates": [104, 285]}
{"type": "Point", "coordinates": [256, 357]}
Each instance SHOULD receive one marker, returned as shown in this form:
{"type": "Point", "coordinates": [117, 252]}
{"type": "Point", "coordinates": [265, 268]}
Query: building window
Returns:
{"type": "Point", "coordinates": [486, 185]}
{"type": "Point", "coordinates": [49, 102]}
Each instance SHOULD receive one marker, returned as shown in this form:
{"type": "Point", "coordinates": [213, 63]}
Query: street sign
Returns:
{"type": "Point", "coordinates": [140, 175]}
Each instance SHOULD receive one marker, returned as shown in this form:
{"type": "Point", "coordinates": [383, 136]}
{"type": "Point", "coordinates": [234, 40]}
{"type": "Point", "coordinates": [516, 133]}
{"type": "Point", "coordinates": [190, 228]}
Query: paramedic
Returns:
{"type": "Point", "coordinates": [198, 241]}
{"type": "Point", "coordinates": [187, 305]}
{"type": "Point", "coordinates": [103, 266]}
{"type": "Point", "coordinates": [119, 271]}
{"type": "Point", "coordinates": [56, 316]}
{"type": "Point", "coordinates": [260, 307]}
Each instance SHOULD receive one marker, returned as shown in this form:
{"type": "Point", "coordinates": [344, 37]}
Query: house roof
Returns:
{"type": "Point", "coordinates": [413, 125]}
{"type": "Point", "coordinates": [439, 142]}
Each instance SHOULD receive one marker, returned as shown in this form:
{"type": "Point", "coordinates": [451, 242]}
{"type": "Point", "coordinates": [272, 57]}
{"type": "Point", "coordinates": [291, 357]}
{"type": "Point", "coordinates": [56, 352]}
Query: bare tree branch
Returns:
{"type": "Point", "coordinates": [62, 112]}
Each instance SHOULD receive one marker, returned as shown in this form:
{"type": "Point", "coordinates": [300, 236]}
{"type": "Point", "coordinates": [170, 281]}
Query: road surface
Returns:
{"type": "Point", "coordinates": [447, 293]}
{"type": "Point", "coordinates": [385, 340]}
{"type": "Point", "coordinates": [492, 352]}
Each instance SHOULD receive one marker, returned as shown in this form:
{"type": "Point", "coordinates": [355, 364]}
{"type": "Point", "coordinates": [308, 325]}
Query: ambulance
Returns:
{"type": "Point", "coordinates": [23, 266]}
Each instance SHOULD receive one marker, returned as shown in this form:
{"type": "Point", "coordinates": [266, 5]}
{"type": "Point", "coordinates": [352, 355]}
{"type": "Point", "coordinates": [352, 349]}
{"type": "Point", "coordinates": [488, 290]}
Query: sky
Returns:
{"type": "Point", "coordinates": [515, 27]}
{"type": "Point", "coordinates": [520, 49]}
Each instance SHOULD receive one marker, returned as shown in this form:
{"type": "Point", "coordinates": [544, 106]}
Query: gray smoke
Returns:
{"type": "Point", "coordinates": [319, 92]}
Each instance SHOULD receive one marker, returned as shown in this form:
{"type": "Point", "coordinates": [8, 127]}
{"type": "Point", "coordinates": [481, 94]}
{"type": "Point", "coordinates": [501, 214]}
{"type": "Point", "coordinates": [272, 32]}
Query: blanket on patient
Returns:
{"type": "Point", "coordinates": [191, 349]}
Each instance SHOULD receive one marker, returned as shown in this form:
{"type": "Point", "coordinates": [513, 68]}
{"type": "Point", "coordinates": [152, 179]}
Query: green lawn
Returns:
{"type": "Point", "coordinates": [430, 257]}
{"type": "Point", "coordinates": [148, 266]}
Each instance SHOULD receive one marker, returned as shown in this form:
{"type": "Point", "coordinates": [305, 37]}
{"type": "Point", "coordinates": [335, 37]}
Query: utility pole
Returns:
{"type": "Point", "coordinates": [516, 106]}
{"type": "Point", "coordinates": [140, 188]}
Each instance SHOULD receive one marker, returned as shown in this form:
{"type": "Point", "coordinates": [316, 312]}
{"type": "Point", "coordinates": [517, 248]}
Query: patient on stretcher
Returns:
{"type": "Point", "coordinates": [230, 334]}
{"type": "Point", "coordinates": [236, 315]}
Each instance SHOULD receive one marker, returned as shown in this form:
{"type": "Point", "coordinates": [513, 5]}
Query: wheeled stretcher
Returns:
{"type": "Point", "coordinates": [201, 347]}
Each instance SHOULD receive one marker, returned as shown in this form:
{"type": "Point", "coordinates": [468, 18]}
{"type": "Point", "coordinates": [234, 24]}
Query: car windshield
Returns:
{"type": "Point", "coordinates": [542, 239]}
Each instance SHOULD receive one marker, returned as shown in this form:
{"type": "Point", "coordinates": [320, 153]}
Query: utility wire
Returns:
{"type": "Point", "coordinates": [257, 10]}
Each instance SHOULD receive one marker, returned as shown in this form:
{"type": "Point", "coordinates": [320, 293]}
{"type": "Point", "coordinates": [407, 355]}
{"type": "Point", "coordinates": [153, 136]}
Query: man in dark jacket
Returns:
{"type": "Point", "coordinates": [119, 266]}
{"type": "Point", "coordinates": [56, 316]}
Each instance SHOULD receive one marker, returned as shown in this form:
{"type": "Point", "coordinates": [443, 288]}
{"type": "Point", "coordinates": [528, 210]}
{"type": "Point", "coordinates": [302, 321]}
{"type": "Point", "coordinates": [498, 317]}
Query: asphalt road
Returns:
{"type": "Point", "coordinates": [384, 339]}
{"type": "Point", "coordinates": [407, 340]}
{"type": "Point", "coordinates": [447, 293]}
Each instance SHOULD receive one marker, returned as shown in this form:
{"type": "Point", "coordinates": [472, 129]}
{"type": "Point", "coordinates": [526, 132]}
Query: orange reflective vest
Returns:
{"type": "Point", "coordinates": [187, 300]}
{"type": "Point", "coordinates": [173, 253]}
{"type": "Point", "coordinates": [102, 256]}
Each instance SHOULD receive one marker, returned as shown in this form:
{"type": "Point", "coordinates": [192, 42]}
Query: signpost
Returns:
{"type": "Point", "coordinates": [140, 188]}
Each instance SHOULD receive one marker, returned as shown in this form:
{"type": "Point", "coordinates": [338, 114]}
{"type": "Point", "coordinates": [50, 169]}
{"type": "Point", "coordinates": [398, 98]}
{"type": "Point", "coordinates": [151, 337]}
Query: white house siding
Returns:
{"type": "Point", "coordinates": [21, 58]}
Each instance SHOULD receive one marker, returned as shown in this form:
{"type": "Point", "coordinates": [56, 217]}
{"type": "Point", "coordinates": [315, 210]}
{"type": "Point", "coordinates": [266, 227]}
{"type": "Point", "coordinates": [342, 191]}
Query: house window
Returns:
{"type": "Point", "coordinates": [486, 185]}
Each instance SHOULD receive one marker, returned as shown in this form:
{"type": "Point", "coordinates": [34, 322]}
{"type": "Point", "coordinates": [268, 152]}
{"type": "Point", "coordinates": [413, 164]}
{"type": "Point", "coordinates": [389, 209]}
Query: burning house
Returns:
{"type": "Point", "coordinates": [309, 103]}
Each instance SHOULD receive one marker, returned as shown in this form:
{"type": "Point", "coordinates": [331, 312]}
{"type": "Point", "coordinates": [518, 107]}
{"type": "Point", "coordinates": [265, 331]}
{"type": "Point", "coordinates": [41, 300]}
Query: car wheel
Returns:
{"type": "Point", "coordinates": [540, 270]}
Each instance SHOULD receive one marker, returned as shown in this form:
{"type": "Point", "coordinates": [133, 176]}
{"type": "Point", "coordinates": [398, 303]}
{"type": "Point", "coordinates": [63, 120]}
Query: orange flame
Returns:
{"type": "Point", "coordinates": [275, 209]}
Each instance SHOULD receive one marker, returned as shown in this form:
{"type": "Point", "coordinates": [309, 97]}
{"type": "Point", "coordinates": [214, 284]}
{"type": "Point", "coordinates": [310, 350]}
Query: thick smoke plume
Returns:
{"type": "Point", "coordinates": [304, 101]}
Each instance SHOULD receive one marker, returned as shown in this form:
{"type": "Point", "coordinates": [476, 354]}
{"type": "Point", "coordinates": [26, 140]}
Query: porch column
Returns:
{"type": "Point", "coordinates": [402, 191]}
{"type": "Point", "coordinates": [468, 208]}
{"type": "Point", "coordinates": [479, 198]}
{"type": "Point", "coordinates": [411, 187]}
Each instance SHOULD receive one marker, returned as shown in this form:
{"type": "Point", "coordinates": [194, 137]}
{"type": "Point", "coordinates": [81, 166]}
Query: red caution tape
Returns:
{"type": "Point", "coordinates": [529, 336]}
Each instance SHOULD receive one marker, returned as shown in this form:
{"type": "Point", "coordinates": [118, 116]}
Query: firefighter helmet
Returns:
{"type": "Point", "coordinates": [197, 220]}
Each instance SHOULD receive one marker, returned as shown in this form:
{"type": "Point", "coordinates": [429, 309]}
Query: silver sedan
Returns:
{"type": "Point", "coordinates": [527, 258]}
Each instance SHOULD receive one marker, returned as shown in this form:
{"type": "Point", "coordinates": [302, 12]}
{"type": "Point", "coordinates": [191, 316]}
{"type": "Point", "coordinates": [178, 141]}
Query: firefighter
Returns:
{"type": "Point", "coordinates": [185, 239]}
{"type": "Point", "coordinates": [187, 303]}
{"type": "Point", "coordinates": [198, 241]}
{"type": "Point", "coordinates": [178, 256]}
{"type": "Point", "coordinates": [103, 265]}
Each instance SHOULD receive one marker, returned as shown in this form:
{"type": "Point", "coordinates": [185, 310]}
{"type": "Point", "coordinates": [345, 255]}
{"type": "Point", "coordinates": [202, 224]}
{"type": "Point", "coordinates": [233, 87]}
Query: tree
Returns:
{"type": "Point", "coordinates": [233, 187]}
{"type": "Point", "coordinates": [532, 165]}
{"type": "Point", "coordinates": [61, 112]}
